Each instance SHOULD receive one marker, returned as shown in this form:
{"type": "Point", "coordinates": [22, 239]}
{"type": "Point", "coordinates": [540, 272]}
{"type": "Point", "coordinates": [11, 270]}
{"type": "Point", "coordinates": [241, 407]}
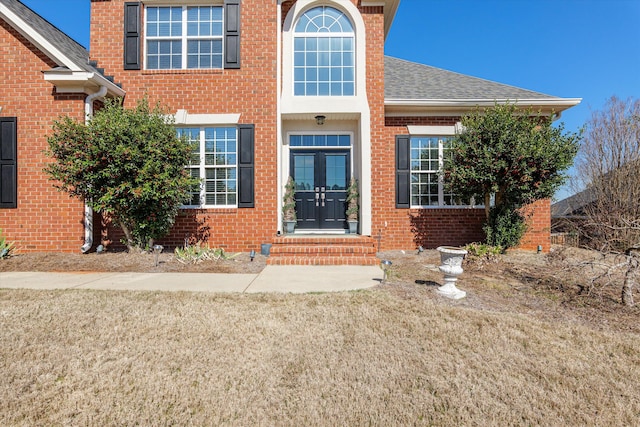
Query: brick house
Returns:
{"type": "Point", "coordinates": [266, 90]}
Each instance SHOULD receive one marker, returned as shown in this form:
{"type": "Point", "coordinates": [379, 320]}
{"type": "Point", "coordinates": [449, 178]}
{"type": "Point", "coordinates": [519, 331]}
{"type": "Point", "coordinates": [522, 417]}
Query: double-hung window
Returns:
{"type": "Point", "coordinates": [214, 163]}
{"type": "Point", "coordinates": [324, 54]}
{"type": "Point", "coordinates": [427, 155]}
{"type": "Point", "coordinates": [183, 37]}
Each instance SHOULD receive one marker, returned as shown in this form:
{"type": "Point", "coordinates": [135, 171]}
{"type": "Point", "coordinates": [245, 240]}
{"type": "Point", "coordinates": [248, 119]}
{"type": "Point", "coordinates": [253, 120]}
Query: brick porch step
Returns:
{"type": "Point", "coordinates": [323, 250]}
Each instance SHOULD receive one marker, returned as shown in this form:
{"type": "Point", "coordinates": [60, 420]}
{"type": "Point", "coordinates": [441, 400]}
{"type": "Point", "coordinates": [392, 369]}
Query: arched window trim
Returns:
{"type": "Point", "coordinates": [326, 12]}
{"type": "Point", "coordinates": [328, 72]}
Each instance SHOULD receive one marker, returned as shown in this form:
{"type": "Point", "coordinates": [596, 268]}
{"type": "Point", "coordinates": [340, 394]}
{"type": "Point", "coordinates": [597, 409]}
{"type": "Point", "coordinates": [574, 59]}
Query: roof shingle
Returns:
{"type": "Point", "coordinates": [412, 81]}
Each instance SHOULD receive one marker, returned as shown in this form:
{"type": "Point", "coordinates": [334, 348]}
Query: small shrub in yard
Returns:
{"type": "Point", "coordinates": [5, 247]}
{"type": "Point", "coordinates": [482, 252]}
{"type": "Point", "coordinates": [193, 254]}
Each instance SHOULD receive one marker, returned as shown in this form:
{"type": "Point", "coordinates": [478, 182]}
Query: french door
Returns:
{"type": "Point", "coordinates": [321, 178]}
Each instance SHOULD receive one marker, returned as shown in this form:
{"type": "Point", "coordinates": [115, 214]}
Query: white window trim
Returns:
{"type": "Point", "coordinates": [306, 35]}
{"type": "Point", "coordinates": [357, 103]}
{"type": "Point", "coordinates": [438, 131]}
{"type": "Point", "coordinates": [202, 167]}
{"type": "Point", "coordinates": [184, 38]}
{"type": "Point", "coordinates": [330, 148]}
{"type": "Point", "coordinates": [185, 119]}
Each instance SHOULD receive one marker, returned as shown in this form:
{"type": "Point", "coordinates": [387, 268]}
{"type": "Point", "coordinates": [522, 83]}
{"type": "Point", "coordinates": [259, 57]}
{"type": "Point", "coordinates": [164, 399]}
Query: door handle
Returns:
{"type": "Point", "coordinates": [322, 198]}
{"type": "Point", "coordinates": [317, 199]}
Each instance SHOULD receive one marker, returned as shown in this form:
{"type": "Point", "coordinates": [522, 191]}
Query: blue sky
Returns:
{"type": "Point", "coordinates": [587, 49]}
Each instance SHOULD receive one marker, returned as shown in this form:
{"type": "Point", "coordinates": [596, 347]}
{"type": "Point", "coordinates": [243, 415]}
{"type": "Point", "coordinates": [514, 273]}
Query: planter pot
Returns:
{"type": "Point", "coordinates": [451, 259]}
{"type": "Point", "coordinates": [265, 249]}
{"type": "Point", "coordinates": [353, 227]}
{"type": "Point", "coordinates": [289, 226]}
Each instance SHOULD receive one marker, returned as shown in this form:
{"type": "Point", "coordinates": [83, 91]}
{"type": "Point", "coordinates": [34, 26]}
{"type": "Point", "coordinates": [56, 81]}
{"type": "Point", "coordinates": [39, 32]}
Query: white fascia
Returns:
{"type": "Point", "coordinates": [71, 76]}
{"type": "Point", "coordinates": [67, 81]}
{"type": "Point", "coordinates": [534, 102]}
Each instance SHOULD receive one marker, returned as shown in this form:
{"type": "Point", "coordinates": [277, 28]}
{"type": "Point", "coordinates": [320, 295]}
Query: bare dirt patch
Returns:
{"type": "Point", "coordinates": [139, 262]}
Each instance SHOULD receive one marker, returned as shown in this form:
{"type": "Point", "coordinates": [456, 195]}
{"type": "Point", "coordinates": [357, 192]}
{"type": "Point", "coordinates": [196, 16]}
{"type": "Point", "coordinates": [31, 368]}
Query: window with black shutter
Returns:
{"type": "Point", "coordinates": [403, 172]}
{"type": "Point", "coordinates": [8, 162]}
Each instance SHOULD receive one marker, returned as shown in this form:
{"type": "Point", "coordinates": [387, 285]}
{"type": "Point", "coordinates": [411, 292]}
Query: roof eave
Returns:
{"type": "Point", "coordinates": [37, 39]}
{"type": "Point", "coordinates": [398, 107]}
{"type": "Point", "coordinates": [390, 9]}
{"type": "Point", "coordinates": [67, 81]}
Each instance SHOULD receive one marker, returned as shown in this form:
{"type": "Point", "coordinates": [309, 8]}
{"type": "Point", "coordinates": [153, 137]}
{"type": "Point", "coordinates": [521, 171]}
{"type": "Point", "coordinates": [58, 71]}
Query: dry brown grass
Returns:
{"type": "Point", "coordinates": [395, 355]}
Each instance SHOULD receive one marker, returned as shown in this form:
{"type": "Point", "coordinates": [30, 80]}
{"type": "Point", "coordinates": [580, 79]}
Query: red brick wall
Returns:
{"type": "Point", "coordinates": [250, 91]}
{"type": "Point", "coordinates": [404, 228]}
{"type": "Point", "coordinates": [45, 219]}
{"type": "Point", "coordinates": [538, 217]}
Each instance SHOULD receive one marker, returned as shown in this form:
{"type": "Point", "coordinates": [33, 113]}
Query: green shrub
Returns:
{"type": "Point", "coordinates": [505, 227]}
{"type": "Point", "coordinates": [483, 250]}
{"type": "Point", "coordinates": [194, 254]}
{"type": "Point", "coordinates": [5, 247]}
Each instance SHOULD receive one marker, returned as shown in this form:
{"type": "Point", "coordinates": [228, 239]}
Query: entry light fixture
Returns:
{"type": "Point", "coordinates": [320, 119]}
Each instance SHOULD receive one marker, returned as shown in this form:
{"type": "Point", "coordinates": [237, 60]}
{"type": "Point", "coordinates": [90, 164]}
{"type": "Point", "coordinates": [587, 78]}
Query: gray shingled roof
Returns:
{"type": "Point", "coordinates": [72, 49]}
{"type": "Point", "coordinates": [413, 81]}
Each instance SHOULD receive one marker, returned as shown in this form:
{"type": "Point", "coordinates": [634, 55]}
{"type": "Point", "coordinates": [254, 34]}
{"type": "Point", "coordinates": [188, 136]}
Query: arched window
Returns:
{"type": "Point", "coordinates": [324, 54]}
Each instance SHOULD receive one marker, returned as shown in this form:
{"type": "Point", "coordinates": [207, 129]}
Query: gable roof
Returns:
{"type": "Point", "coordinates": [412, 85]}
{"type": "Point", "coordinates": [73, 66]}
{"type": "Point", "coordinates": [572, 206]}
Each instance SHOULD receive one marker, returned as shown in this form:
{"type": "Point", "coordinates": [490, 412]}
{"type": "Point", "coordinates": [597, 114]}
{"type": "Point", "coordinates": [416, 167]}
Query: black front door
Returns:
{"type": "Point", "coordinates": [321, 178]}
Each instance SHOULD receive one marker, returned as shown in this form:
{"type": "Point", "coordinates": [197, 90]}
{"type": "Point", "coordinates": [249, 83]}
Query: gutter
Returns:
{"type": "Point", "coordinates": [88, 210]}
{"type": "Point", "coordinates": [279, 177]}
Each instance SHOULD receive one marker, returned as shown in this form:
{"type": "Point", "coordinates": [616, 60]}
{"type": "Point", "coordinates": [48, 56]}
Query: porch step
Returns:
{"type": "Point", "coordinates": [323, 250]}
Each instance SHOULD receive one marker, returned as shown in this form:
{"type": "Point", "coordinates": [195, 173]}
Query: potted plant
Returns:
{"type": "Point", "coordinates": [289, 206]}
{"type": "Point", "coordinates": [352, 205]}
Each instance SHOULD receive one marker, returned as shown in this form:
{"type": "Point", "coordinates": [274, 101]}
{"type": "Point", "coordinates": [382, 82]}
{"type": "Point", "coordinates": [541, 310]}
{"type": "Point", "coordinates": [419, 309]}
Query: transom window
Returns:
{"type": "Point", "coordinates": [324, 54]}
{"type": "Point", "coordinates": [214, 162]}
{"type": "Point", "coordinates": [320, 141]}
{"type": "Point", "coordinates": [184, 37]}
{"type": "Point", "coordinates": [427, 184]}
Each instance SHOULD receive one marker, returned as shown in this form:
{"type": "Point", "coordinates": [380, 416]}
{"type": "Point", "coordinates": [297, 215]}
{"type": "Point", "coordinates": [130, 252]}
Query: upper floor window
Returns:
{"type": "Point", "coordinates": [324, 54]}
{"type": "Point", "coordinates": [184, 37]}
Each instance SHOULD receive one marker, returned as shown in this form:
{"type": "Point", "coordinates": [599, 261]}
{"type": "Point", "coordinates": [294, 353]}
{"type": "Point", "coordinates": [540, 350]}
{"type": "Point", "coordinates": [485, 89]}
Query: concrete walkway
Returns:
{"type": "Point", "coordinates": [283, 279]}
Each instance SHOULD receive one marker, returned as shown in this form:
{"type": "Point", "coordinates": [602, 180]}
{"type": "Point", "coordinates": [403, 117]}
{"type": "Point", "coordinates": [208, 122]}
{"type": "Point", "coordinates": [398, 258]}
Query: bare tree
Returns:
{"type": "Point", "coordinates": [608, 168]}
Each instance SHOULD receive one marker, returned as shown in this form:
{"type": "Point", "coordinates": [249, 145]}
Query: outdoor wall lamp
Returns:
{"type": "Point", "coordinates": [320, 120]}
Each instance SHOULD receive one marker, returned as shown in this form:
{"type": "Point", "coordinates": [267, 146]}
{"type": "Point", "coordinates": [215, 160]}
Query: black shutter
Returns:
{"type": "Point", "coordinates": [132, 36]}
{"type": "Point", "coordinates": [231, 33]}
{"type": "Point", "coordinates": [8, 162]}
{"type": "Point", "coordinates": [403, 172]}
{"type": "Point", "coordinates": [246, 166]}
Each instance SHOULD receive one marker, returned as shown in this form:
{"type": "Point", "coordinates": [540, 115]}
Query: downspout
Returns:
{"type": "Point", "coordinates": [88, 211]}
{"type": "Point", "coordinates": [279, 177]}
